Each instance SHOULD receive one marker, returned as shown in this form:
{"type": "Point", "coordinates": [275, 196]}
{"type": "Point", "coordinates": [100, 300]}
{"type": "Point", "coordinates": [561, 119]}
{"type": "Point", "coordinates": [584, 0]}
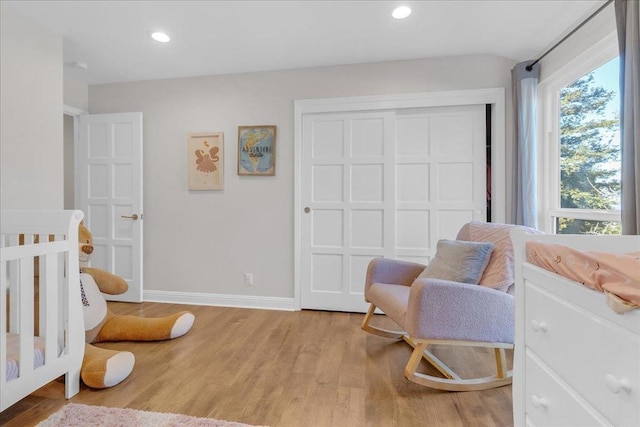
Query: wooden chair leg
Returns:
{"type": "Point", "coordinates": [501, 363]}
{"type": "Point", "coordinates": [414, 360]}
{"type": "Point", "coordinates": [432, 359]}
{"type": "Point", "coordinates": [366, 325]}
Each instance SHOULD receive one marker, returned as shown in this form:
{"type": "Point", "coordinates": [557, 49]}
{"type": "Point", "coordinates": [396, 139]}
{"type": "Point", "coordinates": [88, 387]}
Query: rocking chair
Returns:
{"type": "Point", "coordinates": [435, 311]}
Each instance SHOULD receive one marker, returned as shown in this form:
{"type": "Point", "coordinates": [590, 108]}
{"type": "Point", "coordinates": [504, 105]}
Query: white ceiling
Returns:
{"type": "Point", "coordinates": [219, 37]}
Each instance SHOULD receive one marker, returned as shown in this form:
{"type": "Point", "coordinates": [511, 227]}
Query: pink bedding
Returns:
{"type": "Point", "coordinates": [617, 275]}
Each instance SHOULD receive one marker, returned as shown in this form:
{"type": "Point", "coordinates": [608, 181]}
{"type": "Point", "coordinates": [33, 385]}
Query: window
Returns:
{"type": "Point", "coordinates": [581, 178]}
{"type": "Point", "coordinates": [590, 151]}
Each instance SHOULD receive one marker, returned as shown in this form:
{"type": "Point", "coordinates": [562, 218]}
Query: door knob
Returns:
{"type": "Point", "coordinates": [133, 217]}
{"type": "Point", "coordinates": [307, 210]}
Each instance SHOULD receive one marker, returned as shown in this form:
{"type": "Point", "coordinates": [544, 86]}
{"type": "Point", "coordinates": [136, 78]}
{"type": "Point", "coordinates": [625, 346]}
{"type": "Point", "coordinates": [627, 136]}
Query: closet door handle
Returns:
{"type": "Point", "coordinates": [538, 326]}
{"type": "Point", "coordinates": [133, 217]}
{"type": "Point", "coordinates": [539, 402]}
{"type": "Point", "coordinates": [615, 384]}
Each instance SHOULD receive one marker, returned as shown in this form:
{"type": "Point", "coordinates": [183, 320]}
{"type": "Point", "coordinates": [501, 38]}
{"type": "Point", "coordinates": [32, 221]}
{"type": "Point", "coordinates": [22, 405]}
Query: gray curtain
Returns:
{"type": "Point", "coordinates": [524, 204]}
{"type": "Point", "coordinates": [627, 20]}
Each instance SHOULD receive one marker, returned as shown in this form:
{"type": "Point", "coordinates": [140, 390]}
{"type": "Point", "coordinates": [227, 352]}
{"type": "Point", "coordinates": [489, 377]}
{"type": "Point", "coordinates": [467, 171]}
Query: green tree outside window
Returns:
{"type": "Point", "coordinates": [589, 155]}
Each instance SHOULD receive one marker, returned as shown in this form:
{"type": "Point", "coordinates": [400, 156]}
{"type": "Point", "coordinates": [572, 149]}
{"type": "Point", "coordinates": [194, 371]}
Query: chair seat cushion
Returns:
{"type": "Point", "coordinates": [392, 299]}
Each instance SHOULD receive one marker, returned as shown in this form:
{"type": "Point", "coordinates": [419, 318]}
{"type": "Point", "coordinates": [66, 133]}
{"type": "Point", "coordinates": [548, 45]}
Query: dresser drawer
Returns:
{"type": "Point", "coordinates": [594, 356]}
{"type": "Point", "coordinates": [550, 403]}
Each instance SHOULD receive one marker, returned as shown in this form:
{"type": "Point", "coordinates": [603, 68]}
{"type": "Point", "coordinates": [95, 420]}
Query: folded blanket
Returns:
{"type": "Point", "coordinates": [617, 275]}
{"type": "Point", "coordinates": [499, 273]}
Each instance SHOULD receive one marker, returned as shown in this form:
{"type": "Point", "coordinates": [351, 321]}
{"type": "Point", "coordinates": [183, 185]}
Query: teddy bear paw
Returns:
{"type": "Point", "coordinates": [182, 325]}
{"type": "Point", "coordinates": [118, 368]}
{"type": "Point", "coordinates": [108, 371]}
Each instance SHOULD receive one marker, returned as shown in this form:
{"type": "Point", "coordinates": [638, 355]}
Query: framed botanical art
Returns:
{"type": "Point", "coordinates": [257, 150]}
{"type": "Point", "coordinates": [205, 161]}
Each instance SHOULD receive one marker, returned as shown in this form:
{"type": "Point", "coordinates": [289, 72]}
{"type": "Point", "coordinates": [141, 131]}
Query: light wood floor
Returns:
{"type": "Point", "coordinates": [276, 368]}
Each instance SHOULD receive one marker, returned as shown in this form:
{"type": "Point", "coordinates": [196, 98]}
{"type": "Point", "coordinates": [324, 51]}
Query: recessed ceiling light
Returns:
{"type": "Point", "coordinates": [401, 12]}
{"type": "Point", "coordinates": [160, 37]}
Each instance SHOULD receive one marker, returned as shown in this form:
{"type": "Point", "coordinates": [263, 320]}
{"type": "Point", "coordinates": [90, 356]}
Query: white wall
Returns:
{"type": "Point", "coordinates": [30, 114]}
{"type": "Point", "coordinates": [76, 94]}
{"type": "Point", "coordinates": [601, 26]}
{"type": "Point", "coordinates": [69, 172]}
{"type": "Point", "coordinates": [203, 242]}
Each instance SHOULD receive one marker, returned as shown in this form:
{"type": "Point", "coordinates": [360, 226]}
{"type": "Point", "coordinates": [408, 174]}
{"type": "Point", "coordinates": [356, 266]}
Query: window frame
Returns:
{"type": "Point", "coordinates": [549, 136]}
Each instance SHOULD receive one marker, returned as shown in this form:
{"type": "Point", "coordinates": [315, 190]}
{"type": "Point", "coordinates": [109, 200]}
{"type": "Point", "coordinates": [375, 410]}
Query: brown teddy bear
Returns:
{"type": "Point", "coordinates": [103, 368]}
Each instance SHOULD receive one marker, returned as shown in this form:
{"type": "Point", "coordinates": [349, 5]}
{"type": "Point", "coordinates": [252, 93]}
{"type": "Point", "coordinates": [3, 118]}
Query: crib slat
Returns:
{"type": "Point", "coordinates": [14, 291]}
{"type": "Point", "coordinates": [42, 295]}
{"type": "Point", "coordinates": [3, 318]}
{"type": "Point", "coordinates": [49, 290]}
{"type": "Point", "coordinates": [26, 316]}
{"type": "Point", "coordinates": [4, 242]}
{"type": "Point", "coordinates": [63, 301]}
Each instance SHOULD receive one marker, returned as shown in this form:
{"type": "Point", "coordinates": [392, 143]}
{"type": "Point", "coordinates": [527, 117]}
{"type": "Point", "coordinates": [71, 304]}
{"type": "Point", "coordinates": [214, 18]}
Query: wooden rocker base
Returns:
{"type": "Point", "coordinates": [366, 326]}
{"type": "Point", "coordinates": [451, 381]}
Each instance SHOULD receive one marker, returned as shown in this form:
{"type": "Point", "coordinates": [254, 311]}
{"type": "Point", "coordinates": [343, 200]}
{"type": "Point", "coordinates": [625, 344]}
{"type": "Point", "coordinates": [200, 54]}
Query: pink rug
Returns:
{"type": "Point", "coordinates": [76, 415]}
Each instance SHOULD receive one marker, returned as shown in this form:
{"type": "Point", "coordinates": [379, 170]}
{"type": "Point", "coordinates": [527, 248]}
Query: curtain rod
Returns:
{"type": "Point", "coordinates": [530, 66]}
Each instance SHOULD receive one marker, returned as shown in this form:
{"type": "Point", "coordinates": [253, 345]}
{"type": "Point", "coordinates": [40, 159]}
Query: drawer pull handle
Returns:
{"type": "Point", "coordinates": [538, 326]}
{"type": "Point", "coordinates": [615, 384]}
{"type": "Point", "coordinates": [539, 402]}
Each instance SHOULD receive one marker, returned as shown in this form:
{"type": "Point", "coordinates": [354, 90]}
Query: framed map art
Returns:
{"type": "Point", "coordinates": [205, 161]}
{"type": "Point", "coordinates": [256, 150]}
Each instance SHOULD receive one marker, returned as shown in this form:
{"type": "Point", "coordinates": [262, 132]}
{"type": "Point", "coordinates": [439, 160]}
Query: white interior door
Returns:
{"type": "Point", "coordinates": [109, 192]}
{"type": "Point", "coordinates": [384, 184]}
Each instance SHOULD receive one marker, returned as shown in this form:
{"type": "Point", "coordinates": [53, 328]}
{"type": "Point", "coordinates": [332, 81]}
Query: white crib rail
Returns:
{"type": "Point", "coordinates": [52, 236]}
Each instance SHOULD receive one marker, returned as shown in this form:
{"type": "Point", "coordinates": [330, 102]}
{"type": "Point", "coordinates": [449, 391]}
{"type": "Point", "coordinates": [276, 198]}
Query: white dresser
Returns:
{"type": "Point", "coordinates": [577, 363]}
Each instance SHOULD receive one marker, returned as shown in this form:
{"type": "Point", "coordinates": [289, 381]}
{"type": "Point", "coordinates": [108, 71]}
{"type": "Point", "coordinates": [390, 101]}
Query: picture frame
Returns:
{"type": "Point", "coordinates": [205, 161]}
{"type": "Point", "coordinates": [257, 150]}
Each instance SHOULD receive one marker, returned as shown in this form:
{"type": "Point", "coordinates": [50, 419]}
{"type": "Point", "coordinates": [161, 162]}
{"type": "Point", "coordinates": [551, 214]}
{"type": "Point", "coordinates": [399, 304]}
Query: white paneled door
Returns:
{"type": "Point", "coordinates": [384, 184]}
{"type": "Point", "coordinates": [109, 192]}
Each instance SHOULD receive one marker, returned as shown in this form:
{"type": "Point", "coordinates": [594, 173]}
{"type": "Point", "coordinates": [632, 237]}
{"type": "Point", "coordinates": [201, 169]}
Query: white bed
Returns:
{"type": "Point", "coordinates": [576, 362]}
{"type": "Point", "coordinates": [42, 244]}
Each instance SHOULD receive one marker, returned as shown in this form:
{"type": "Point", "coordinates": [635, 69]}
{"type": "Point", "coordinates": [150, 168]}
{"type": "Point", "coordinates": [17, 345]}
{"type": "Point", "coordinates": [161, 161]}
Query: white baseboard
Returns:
{"type": "Point", "coordinates": [220, 300]}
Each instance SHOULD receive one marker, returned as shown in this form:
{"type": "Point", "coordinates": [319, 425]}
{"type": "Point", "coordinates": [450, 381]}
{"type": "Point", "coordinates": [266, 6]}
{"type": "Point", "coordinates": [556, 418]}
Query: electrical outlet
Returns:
{"type": "Point", "coordinates": [248, 279]}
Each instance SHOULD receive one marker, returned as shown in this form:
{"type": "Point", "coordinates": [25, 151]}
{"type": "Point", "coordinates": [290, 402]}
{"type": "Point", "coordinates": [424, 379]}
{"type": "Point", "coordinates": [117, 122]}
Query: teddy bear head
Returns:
{"type": "Point", "coordinates": [85, 245]}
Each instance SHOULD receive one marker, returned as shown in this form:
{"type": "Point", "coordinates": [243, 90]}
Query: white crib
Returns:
{"type": "Point", "coordinates": [34, 353]}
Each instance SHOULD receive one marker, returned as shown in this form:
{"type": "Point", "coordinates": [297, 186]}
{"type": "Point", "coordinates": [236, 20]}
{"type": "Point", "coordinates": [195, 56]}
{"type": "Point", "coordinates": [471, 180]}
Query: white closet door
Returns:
{"type": "Point", "coordinates": [440, 179]}
{"type": "Point", "coordinates": [383, 184]}
{"type": "Point", "coordinates": [348, 208]}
